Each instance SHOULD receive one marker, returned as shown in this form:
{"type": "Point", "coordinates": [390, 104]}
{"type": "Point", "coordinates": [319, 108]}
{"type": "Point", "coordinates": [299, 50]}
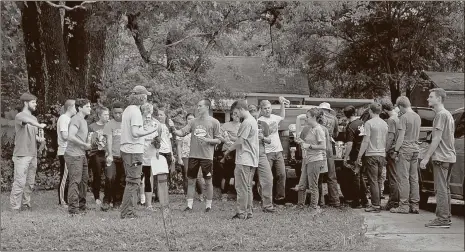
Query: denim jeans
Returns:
{"type": "Point", "coordinates": [265, 181]}
{"type": "Point", "coordinates": [97, 163]}
{"type": "Point", "coordinates": [278, 168]}
{"type": "Point", "coordinates": [442, 172]}
{"type": "Point", "coordinates": [374, 170]}
{"type": "Point", "coordinates": [309, 176]}
{"type": "Point", "coordinates": [243, 176]}
{"type": "Point", "coordinates": [78, 177]}
{"type": "Point", "coordinates": [133, 168]}
{"type": "Point", "coordinates": [24, 179]}
{"type": "Point", "coordinates": [409, 188]}
{"type": "Point", "coordinates": [332, 181]}
{"type": "Point", "coordinates": [391, 172]}
{"type": "Point", "coordinates": [114, 182]}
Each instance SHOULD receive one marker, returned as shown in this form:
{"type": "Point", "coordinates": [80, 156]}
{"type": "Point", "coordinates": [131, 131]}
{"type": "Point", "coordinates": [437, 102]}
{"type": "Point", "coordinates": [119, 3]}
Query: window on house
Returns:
{"type": "Point", "coordinates": [220, 116]}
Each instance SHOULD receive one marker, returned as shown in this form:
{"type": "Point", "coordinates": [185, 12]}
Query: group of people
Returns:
{"type": "Point", "coordinates": [373, 143]}
{"type": "Point", "coordinates": [125, 147]}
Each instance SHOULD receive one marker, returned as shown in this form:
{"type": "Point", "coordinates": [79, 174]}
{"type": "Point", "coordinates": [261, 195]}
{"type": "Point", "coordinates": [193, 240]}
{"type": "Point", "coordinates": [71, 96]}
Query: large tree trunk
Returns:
{"type": "Point", "coordinates": [46, 58]}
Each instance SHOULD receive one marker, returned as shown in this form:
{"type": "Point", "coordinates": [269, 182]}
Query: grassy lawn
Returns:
{"type": "Point", "coordinates": [48, 227]}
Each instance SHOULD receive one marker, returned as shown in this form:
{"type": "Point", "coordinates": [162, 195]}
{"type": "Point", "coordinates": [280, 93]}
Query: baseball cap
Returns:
{"type": "Point", "coordinates": [140, 90]}
{"type": "Point", "coordinates": [27, 97]}
{"type": "Point", "coordinates": [325, 105]}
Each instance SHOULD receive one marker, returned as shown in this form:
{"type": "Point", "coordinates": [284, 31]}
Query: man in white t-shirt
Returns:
{"type": "Point", "coordinates": [274, 150]}
{"type": "Point", "coordinates": [69, 110]}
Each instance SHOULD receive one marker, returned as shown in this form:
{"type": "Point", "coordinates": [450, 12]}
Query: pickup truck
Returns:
{"type": "Point", "coordinates": [457, 179]}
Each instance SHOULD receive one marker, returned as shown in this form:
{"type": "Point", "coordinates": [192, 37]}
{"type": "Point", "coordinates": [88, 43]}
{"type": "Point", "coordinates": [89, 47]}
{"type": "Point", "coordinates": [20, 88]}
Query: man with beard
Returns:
{"type": "Point", "coordinates": [205, 135]}
{"type": "Point", "coordinates": [25, 153]}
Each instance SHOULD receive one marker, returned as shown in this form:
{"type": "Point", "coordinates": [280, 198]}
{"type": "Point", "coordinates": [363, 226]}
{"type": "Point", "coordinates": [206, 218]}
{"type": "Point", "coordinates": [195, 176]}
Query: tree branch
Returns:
{"type": "Point", "coordinates": [81, 6]}
{"type": "Point", "coordinates": [190, 36]}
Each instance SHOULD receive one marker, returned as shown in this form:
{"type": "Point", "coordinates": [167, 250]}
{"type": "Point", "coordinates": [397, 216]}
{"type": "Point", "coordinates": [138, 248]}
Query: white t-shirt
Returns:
{"type": "Point", "coordinates": [62, 126]}
{"type": "Point", "coordinates": [273, 122]}
{"type": "Point", "coordinates": [165, 139]}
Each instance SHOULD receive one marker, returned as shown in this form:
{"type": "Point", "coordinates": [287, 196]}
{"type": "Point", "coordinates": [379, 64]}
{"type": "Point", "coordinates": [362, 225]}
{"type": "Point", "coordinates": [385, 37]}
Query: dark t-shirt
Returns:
{"type": "Point", "coordinates": [98, 140]}
{"type": "Point", "coordinates": [353, 135]}
{"type": "Point", "coordinates": [265, 129]}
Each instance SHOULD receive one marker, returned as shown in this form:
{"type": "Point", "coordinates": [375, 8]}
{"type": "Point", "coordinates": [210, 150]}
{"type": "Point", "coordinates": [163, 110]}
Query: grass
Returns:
{"type": "Point", "coordinates": [48, 227]}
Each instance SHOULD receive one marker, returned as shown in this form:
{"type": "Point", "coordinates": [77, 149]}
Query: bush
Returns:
{"type": "Point", "coordinates": [7, 173]}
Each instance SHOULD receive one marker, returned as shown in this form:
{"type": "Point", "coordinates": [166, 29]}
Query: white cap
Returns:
{"type": "Point", "coordinates": [325, 105]}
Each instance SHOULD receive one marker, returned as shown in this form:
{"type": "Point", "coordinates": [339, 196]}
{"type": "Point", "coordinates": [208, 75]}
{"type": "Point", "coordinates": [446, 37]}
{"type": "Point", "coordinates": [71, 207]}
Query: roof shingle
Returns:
{"type": "Point", "coordinates": [448, 81]}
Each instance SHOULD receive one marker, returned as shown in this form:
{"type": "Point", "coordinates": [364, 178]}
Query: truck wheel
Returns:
{"type": "Point", "coordinates": [423, 200]}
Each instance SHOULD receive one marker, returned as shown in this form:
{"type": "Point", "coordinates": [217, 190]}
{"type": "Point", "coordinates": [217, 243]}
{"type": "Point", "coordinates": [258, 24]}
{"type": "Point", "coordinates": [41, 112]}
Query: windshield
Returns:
{"type": "Point", "coordinates": [459, 124]}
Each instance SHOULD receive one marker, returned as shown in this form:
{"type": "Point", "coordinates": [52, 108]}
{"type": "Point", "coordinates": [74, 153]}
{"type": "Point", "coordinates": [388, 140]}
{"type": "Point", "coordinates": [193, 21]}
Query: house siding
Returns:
{"type": "Point", "coordinates": [454, 101]}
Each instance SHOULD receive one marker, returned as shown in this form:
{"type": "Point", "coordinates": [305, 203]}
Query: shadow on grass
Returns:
{"type": "Point", "coordinates": [48, 227]}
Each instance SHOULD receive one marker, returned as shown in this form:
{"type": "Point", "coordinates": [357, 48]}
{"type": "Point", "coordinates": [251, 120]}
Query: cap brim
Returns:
{"type": "Point", "coordinates": [149, 93]}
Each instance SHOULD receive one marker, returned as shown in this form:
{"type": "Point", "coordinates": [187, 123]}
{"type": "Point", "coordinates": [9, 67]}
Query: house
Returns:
{"type": "Point", "coordinates": [453, 83]}
{"type": "Point", "coordinates": [248, 76]}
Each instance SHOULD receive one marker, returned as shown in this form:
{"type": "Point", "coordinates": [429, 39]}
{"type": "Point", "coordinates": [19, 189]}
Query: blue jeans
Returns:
{"type": "Point", "coordinates": [278, 168]}
{"type": "Point", "coordinates": [442, 172]}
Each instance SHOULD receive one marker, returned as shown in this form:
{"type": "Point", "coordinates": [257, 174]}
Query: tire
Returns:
{"type": "Point", "coordinates": [423, 200]}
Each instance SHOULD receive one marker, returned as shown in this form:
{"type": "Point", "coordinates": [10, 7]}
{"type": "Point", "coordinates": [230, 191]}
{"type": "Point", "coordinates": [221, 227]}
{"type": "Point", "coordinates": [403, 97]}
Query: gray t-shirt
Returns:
{"type": "Point", "coordinates": [113, 128]}
{"type": "Point", "coordinates": [392, 128]}
{"type": "Point", "coordinates": [376, 130]}
{"type": "Point", "coordinates": [25, 137]}
{"type": "Point", "coordinates": [207, 127]}
{"type": "Point", "coordinates": [313, 136]}
{"type": "Point", "coordinates": [80, 123]}
{"type": "Point", "coordinates": [410, 122]}
{"type": "Point", "coordinates": [445, 152]}
{"type": "Point", "coordinates": [248, 152]}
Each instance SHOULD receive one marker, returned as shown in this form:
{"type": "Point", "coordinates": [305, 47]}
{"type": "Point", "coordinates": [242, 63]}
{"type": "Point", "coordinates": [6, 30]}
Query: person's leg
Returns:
{"type": "Point", "coordinates": [391, 173]}
{"type": "Point", "coordinates": [403, 167]}
{"type": "Point", "coordinates": [373, 175]}
{"type": "Point", "coordinates": [321, 193]}
{"type": "Point", "coordinates": [362, 192]}
{"type": "Point", "coordinates": [75, 171]}
{"type": "Point", "coordinates": [442, 173]}
{"type": "Point", "coordinates": [94, 165]}
{"type": "Point", "coordinates": [414, 183]}
{"type": "Point", "coordinates": [281, 177]}
{"type": "Point", "coordinates": [108, 196]}
{"type": "Point", "coordinates": [185, 162]}
{"type": "Point", "coordinates": [383, 179]}
{"type": "Point", "coordinates": [63, 186]}
{"type": "Point", "coordinates": [200, 185]}
{"type": "Point", "coordinates": [250, 176]}
{"type": "Point", "coordinates": [120, 182]}
{"type": "Point", "coordinates": [193, 169]}
{"type": "Point", "coordinates": [133, 170]}
{"type": "Point", "coordinates": [265, 179]}
{"type": "Point", "coordinates": [207, 170]}
{"type": "Point", "coordinates": [147, 185]}
{"type": "Point", "coordinates": [30, 182]}
{"type": "Point", "coordinates": [83, 185]}
{"type": "Point", "coordinates": [313, 173]}
{"type": "Point", "coordinates": [303, 184]}
{"type": "Point", "coordinates": [241, 179]}
{"type": "Point", "coordinates": [21, 166]}
{"type": "Point", "coordinates": [333, 193]}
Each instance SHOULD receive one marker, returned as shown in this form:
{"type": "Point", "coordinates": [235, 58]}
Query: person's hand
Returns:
{"type": "Point", "coordinates": [203, 140]}
{"type": "Point", "coordinates": [87, 146]}
{"type": "Point", "coordinates": [109, 159]}
{"type": "Point", "coordinates": [359, 161]}
{"type": "Point", "coordinates": [157, 154]}
{"type": "Point", "coordinates": [260, 136]}
{"type": "Point", "coordinates": [41, 139]}
{"type": "Point", "coordinates": [42, 125]}
{"type": "Point", "coordinates": [423, 163]}
{"type": "Point", "coordinates": [180, 161]}
{"type": "Point", "coordinates": [305, 145]}
{"type": "Point", "coordinates": [223, 160]}
{"type": "Point", "coordinates": [170, 123]}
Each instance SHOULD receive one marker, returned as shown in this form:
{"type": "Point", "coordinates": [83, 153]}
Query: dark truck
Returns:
{"type": "Point", "coordinates": [457, 178]}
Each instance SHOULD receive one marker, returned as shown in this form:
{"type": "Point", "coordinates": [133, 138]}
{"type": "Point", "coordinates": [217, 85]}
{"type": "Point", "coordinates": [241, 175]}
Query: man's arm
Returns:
{"type": "Point", "coordinates": [348, 150]}
{"type": "Point", "coordinates": [216, 135]}
{"type": "Point", "coordinates": [24, 118]}
{"type": "Point", "coordinates": [401, 134]}
{"type": "Point", "coordinates": [336, 127]}
{"type": "Point", "coordinates": [321, 139]}
{"type": "Point", "coordinates": [107, 131]}
{"type": "Point", "coordinates": [181, 132]}
{"type": "Point", "coordinates": [283, 110]}
{"type": "Point", "coordinates": [138, 131]}
{"type": "Point", "coordinates": [297, 124]}
{"type": "Point", "coordinates": [179, 149]}
{"type": "Point", "coordinates": [366, 140]}
{"type": "Point", "coordinates": [437, 135]}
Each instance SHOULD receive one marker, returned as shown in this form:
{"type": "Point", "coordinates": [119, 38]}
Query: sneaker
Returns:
{"type": "Point", "coordinates": [26, 208]}
{"type": "Point", "coordinates": [98, 202]}
{"type": "Point", "coordinates": [151, 208]}
{"type": "Point", "coordinates": [105, 207]}
{"type": "Point", "coordinates": [239, 217]}
{"type": "Point", "coordinates": [414, 211]}
{"type": "Point", "coordinates": [279, 201]}
{"type": "Point", "coordinates": [438, 224]}
{"type": "Point", "coordinates": [224, 197]}
{"type": "Point", "coordinates": [389, 206]}
{"type": "Point", "coordinates": [65, 206]}
{"type": "Point", "coordinates": [269, 210]}
{"type": "Point", "coordinates": [373, 209]}
{"type": "Point", "coordinates": [399, 210]}
{"type": "Point", "coordinates": [208, 209]}
{"type": "Point", "coordinates": [314, 211]}
{"type": "Point", "coordinates": [249, 216]}
{"type": "Point", "coordinates": [188, 209]}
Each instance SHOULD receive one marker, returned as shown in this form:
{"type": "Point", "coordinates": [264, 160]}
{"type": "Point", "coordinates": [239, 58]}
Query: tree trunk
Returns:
{"type": "Point", "coordinates": [46, 59]}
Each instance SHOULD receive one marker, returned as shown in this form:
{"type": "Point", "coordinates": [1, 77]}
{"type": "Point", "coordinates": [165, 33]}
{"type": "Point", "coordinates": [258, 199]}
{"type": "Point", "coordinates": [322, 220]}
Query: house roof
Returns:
{"type": "Point", "coordinates": [247, 75]}
{"type": "Point", "coordinates": [448, 81]}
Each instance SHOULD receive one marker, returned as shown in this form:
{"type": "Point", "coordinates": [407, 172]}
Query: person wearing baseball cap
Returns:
{"type": "Point", "coordinates": [331, 123]}
{"type": "Point", "coordinates": [25, 154]}
{"type": "Point", "coordinates": [132, 147]}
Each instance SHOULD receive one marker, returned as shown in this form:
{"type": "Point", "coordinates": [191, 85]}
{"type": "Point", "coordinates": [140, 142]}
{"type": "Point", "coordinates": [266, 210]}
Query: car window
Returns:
{"type": "Point", "coordinates": [427, 116]}
{"type": "Point", "coordinates": [459, 119]}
